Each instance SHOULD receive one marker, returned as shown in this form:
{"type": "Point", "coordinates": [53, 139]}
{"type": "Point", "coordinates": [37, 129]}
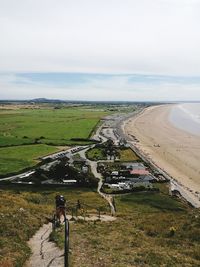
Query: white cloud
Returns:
{"type": "Point", "coordinates": [117, 88]}
{"type": "Point", "coordinates": [107, 36]}
{"type": "Point", "coordinates": [115, 36]}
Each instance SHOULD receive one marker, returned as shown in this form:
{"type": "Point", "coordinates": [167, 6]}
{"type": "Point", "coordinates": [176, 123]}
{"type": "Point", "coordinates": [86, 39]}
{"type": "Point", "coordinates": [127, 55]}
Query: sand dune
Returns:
{"type": "Point", "coordinates": [175, 151]}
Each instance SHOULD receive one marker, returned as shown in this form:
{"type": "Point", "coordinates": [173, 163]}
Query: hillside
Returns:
{"type": "Point", "coordinates": [151, 229]}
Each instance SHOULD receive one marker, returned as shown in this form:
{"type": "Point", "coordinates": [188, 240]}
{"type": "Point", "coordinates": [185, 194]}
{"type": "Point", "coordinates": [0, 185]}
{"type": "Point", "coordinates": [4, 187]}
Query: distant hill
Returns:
{"type": "Point", "coordinates": [45, 100]}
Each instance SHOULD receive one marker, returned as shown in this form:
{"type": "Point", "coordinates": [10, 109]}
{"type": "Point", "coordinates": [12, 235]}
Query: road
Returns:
{"type": "Point", "coordinates": [93, 166]}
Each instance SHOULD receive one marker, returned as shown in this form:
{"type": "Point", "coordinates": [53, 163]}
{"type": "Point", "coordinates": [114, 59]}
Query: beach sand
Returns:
{"type": "Point", "coordinates": [173, 150]}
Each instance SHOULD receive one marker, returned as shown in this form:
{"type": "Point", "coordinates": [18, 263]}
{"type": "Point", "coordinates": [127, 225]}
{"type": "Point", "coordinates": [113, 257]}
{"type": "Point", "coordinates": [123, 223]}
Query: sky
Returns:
{"type": "Point", "coordinates": [136, 50]}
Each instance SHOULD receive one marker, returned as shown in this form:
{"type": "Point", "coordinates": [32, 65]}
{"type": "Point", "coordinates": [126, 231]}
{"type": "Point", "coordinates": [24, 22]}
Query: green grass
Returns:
{"type": "Point", "coordinates": [128, 155]}
{"type": "Point", "coordinates": [24, 210]}
{"type": "Point", "coordinates": [95, 154]}
{"type": "Point", "coordinates": [48, 126]}
{"type": "Point", "coordinates": [14, 159]}
{"type": "Point", "coordinates": [56, 126]}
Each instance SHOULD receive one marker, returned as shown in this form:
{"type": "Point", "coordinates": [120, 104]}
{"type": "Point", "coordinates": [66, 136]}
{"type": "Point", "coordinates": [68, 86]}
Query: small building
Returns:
{"type": "Point", "coordinates": [85, 169]}
{"type": "Point", "coordinates": [139, 172]}
{"type": "Point", "coordinates": [114, 186]}
{"type": "Point", "coordinates": [114, 173]}
{"type": "Point", "coordinates": [69, 182]}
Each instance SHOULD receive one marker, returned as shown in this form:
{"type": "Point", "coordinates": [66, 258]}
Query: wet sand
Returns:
{"type": "Point", "coordinates": [173, 150]}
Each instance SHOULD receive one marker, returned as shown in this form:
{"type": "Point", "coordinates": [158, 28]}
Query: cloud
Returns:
{"type": "Point", "coordinates": [99, 87]}
{"type": "Point", "coordinates": [52, 42]}
{"type": "Point", "coordinates": [130, 36]}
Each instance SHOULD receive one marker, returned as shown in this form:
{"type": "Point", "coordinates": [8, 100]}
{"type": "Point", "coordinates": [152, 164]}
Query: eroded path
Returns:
{"type": "Point", "coordinates": [44, 252]}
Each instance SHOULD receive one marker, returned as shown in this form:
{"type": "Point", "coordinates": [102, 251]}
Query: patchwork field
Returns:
{"type": "Point", "coordinates": [23, 129]}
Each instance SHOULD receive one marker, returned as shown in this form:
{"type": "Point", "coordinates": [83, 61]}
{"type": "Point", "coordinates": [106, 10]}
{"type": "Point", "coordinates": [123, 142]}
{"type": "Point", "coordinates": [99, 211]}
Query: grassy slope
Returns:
{"type": "Point", "coordinates": [141, 236]}
{"type": "Point", "coordinates": [23, 211]}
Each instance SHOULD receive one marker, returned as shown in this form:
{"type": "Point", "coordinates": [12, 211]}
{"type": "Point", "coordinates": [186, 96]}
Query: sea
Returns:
{"type": "Point", "coordinates": [186, 116]}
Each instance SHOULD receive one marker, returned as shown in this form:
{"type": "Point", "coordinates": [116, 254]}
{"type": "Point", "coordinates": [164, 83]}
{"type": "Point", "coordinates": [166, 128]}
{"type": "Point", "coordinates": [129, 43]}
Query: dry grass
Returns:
{"type": "Point", "coordinates": [128, 155]}
{"type": "Point", "coordinates": [141, 235]}
{"type": "Point", "coordinates": [152, 229]}
{"type": "Point", "coordinates": [23, 210]}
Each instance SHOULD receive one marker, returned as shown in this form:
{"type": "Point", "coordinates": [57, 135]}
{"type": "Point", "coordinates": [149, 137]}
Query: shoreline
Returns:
{"type": "Point", "coordinates": [173, 151]}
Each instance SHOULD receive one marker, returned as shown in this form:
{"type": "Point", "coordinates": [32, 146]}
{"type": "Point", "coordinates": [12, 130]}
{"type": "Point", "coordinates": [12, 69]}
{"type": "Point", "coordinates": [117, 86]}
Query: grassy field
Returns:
{"type": "Point", "coordinates": [16, 158]}
{"type": "Point", "coordinates": [23, 210]}
{"type": "Point", "coordinates": [95, 154]}
{"type": "Point", "coordinates": [152, 229]}
{"type": "Point", "coordinates": [126, 154]}
{"type": "Point", "coordinates": [46, 126]}
{"type": "Point", "coordinates": [49, 126]}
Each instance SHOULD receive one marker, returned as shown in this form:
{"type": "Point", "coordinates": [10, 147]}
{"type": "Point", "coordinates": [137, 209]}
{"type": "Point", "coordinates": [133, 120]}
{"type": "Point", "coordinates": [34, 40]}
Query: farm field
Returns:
{"type": "Point", "coordinates": [48, 126]}
{"type": "Point", "coordinates": [23, 129]}
{"type": "Point", "coordinates": [16, 158]}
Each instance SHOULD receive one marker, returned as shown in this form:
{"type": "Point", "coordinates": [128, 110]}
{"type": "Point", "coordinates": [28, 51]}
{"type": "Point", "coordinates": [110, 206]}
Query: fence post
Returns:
{"type": "Point", "coordinates": [72, 214]}
{"type": "Point", "coordinates": [66, 259]}
{"type": "Point", "coordinates": [99, 213]}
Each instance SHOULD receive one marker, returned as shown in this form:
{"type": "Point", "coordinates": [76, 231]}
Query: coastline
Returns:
{"type": "Point", "coordinates": [174, 151]}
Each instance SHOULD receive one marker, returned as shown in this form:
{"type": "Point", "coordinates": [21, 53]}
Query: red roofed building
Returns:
{"type": "Point", "coordinates": [139, 172]}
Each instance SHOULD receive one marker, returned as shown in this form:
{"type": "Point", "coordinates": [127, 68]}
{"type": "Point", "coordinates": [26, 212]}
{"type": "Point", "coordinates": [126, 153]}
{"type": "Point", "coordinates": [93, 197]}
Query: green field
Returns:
{"type": "Point", "coordinates": [49, 126]}
{"type": "Point", "coordinates": [14, 159]}
{"type": "Point", "coordinates": [22, 130]}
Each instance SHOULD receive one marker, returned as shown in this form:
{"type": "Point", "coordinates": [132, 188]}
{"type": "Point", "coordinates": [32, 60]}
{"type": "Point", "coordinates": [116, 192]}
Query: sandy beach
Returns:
{"type": "Point", "coordinates": [173, 150]}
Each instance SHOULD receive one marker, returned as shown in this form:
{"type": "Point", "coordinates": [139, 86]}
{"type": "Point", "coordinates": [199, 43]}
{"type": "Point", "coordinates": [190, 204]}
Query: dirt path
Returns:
{"type": "Point", "coordinates": [107, 197]}
{"type": "Point", "coordinates": [44, 252]}
{"type": "Point", "coordinates": [93, 165]}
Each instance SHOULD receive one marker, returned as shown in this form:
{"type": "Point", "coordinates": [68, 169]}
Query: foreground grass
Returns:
{"type": "Point", "coordinates": [24, 210]}
{"type": "Point", "coordinates": [14, 159]}
{"type": "Point", "coordinates": [150, 230]}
